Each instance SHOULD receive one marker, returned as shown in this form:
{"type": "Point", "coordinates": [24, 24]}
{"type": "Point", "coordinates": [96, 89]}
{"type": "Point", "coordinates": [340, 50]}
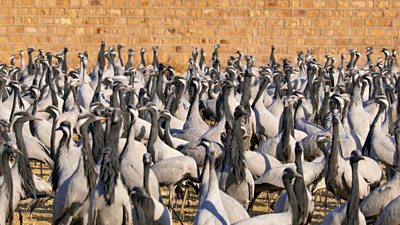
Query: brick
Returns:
{"type": "Point", "coordinates": [312, 13]}
{"type": "Point", "coordinates": [48, 3]}
{"type": "Point", "coordinates": [114, 12]}
{"type": "Point", "coordinates": [135, 12]}
{"type": "Point", "coordinates": [382, 3]}
{"type": "Point", "coordinates": [376, 13]}
{"type": "Point", "coordinates": [293, 22]}
{"type": "Point", "coordinates": [362, 13]}
{"type": "Point", "coordinates": [395, 3]}
{"type": "Point", "coordinates": [384, 23]}
{"type": "Point", "coordinates": [255, 13]}
{"type": "Point", "coordinates": [358, 4]}
{"type": "Point", "coordinates": [306, 22]}
{"type": "Point", "coordinates": [391, 32]}
{"type": "Point", "coordinates": [299, 13]}
{"type": "Point", "coordinates": [377, 32]}
{"type": "Point", "coordinates": [108, 21]}
{"type": "Point", "coordinates": [47, 20]}
{"type": "Point", "coordinates": [321, 22]}
{"type": "Point", "coordinates": [307, 3]}
{"type": "Point", "coordinates": [383, 42]}
{"type": "Point", "coordinates": [30, 30]}
{"type": "Point", "coordinates": [62, 2]}
{"type": "Point", "coordinates": [390, 12]}
{"type": "Point", "coordinates": [3, 39]}
{"type": "Point", "coordinates": [369, 22]}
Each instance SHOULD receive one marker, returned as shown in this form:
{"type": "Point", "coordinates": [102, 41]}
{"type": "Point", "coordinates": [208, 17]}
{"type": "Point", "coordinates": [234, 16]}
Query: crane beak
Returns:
{"type": "Point", "coordinates": [297, 175]}
{"type": "Point", "coordinates": [15, 151]}
{"type": "Point", "coordinates": [142, 109]}
{"type": "Point", "coordinates": [370, 101]}
{"type": "Point", "coordinates": [101, 118]}
{"type": "Point", "coordinates": [36, 118]}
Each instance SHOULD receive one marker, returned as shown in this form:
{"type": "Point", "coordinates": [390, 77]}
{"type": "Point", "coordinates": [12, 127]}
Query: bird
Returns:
{"type": "Point", "coordinates": [173, 171]}
{"type": "Point", "coordinates": [376, 201]}
{"type": "Point", "coordinates": [10, 188]}
{"type": "Point", "coordinates": [338, 176]}
{"type": "Point", "coordinates": [287, 217]}
{"type": "Point", "coordinates": [148, 210]}
{"type": "Point", "coordinates": [349, 213]}
{"type": "Point", "coordinates": [74, 206]}
{"type": "Point", "coordinates": [211, 209]}
{"type": "Point", "coordinates": [66, 158]}
{"type": "Point", "coordinates": [267, 124]}
{"type": "Point", "coordinates": [131, 160]}
{"type": "Point", "coordinates": [109, 200]}
{"type": "Point", "coordinates": [389, 214]}
{"type": "Point", "coordinates": [84, 90]}
{"type": "Point", "coordinates": [156, 146]}
{"type": "Point", "coordinates": [234, 178]}
{"type": "Point", "coordinates": [379, 144]}
{"type": "Point", "coordinates": [168, 138]}
{"type": "Point", "coordinates": [303, 195]}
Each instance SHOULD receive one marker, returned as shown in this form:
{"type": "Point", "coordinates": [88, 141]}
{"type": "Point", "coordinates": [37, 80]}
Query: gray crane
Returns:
{"type": "Point", "coordinates": [236, 211]}
{"type": "Point", "coordinates": [303, 195]}
{"type": "Point", "coordinates": [288, 217]}
{"type": "Point", "coordinates": [349, 213]}
{"type": "Point", "coordinates": [173, 171]}
{"type": "Point", "coordinates": [131, 160]}
{"type": "Point", "coordinates": [10, 188]}
{"type": "Point", "coordinates": [390, 214]}
{"type": "Point", "coordinates": [155, 145]}
{"type": "Point", "coordinates": [168, 138]}
{"type": "Point", "coordinates": [66, 158]}
{"type": "Point", "coordinates": [211, 210]}
{"type": "Point", "coordinates": [148, 210]}
{"type": "Point", "coordinates": [85, 91]}
{"type": "Point", "coordinates": [194, 126]}
{"type": "Point", "coordinates": [74, 206]}
{"type": "Point", "coordinates": [109, 200]}
{"type": "Point", "coordinates": [234, 177]}
{"type": "Point", "coordinates": [338, 176]}
{"type": "Point", "coordinates": [374, 203]}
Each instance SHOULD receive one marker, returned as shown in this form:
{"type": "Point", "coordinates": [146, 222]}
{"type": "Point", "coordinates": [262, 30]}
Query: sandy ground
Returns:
{"type": "Point", "coordinates": [42, 214]}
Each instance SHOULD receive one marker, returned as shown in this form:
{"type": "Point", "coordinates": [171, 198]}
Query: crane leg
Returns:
{"type": "Point", "coordinates": [41, 170]}
{"type": "Point", "coordinates": [338, 202]}
{"type": "Point", "coordinates": [188, 198]}
{"type": "Point", "coordinates": [21, 218]}
{"type": "Point", "coordinates": [182, 215]}
{"type": "Point", "coordinates": [171, 195]}
{"type": "Point", "coordinates": [326, 201]}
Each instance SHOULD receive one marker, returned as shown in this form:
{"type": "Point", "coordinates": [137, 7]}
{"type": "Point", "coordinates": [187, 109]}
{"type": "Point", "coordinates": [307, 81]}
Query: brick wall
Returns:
{"type": "Point", "coordinates": [328, 26]}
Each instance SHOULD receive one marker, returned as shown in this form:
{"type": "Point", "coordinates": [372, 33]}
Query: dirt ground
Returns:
{"type": "Point", "coordinates": [42, 214]}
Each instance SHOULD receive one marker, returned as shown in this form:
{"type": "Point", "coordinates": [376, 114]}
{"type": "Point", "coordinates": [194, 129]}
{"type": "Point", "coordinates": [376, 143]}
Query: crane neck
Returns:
{"type": "Point", "coordinates": [354, 202]}
{"type": "Point", "coordinates": [334, 154]}
{"type": "Point", "coordinates": [153, 133]}
{"type": "Point", "coordinates": [293, 204]}
{"type": "Point", "coordinates": [261, 92]}
{"type": "Point", "coordinates": [23, 162]}
{"type": "Point", "coordinates": [88, 161]}
{"type": "Point", "coordinates": [142, 59]}
{"type": "Point", "coordinates": [8, 185]}
{"type": "Point", "coordinates": [64, 144]}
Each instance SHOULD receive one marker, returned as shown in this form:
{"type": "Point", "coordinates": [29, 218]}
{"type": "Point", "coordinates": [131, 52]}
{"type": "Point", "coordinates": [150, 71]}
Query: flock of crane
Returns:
{"type": "Point", "coordinates": [229, 131]}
